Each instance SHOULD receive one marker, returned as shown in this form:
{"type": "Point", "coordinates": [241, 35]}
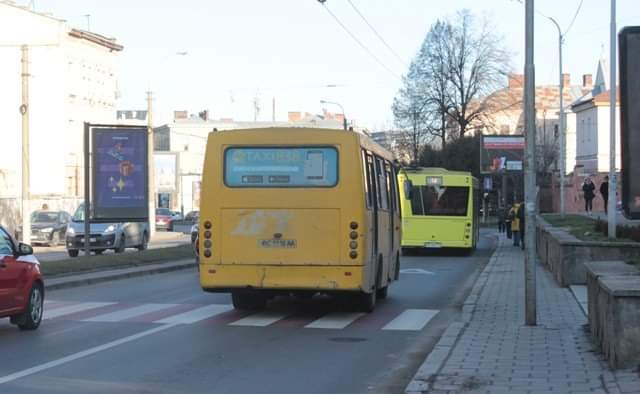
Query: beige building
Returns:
{"type": "Point", "coordinates": [72, 79]}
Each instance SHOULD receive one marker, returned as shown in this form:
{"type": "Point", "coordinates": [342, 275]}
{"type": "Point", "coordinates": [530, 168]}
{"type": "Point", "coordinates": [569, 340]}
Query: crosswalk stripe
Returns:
{"type": "Point", "coordinates": [261, 319]}
{"type": "Point", "coordinates": [335, 320]}
{"type": "Point", "coordinates": [196, 315]}
{"type": "Point", "coordinates": [67, 310]}
{"type": "Point", "coordinates": [129, 313]}
{"type": "Point", "coordinates": [411, 319]}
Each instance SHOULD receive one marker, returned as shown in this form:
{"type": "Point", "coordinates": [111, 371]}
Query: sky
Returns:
{"type": "Point", "coordinates": [295, 52]}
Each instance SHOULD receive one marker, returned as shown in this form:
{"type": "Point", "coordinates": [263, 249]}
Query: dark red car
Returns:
{"type": "Point", "coordinates": [163, 219]}
{"type": "Point", "coordinates": [21, 283]}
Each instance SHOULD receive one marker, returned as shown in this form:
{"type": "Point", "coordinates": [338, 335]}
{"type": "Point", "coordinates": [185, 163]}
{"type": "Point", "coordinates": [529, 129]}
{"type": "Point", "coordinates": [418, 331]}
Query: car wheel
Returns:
{"type": "Point", "coordinates": [120, 248]}
{"type": "Point", "coordinates": [73, 252]}
{"type": "Point", "coordinates": [31, 318]}
{"type": "Point", "coordinates": [55, 239]}
{"type": "Point", "coordinates": [145, 242]}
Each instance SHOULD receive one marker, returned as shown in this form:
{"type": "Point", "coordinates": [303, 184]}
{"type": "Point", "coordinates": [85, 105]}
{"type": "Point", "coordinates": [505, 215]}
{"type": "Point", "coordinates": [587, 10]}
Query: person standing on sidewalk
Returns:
{"type": "Point", "coordinates": [507, 220]}
{"type": "Point", "coordinates": [515, 224]}
{"type": "Point", "coordinates": [604, 191]}
{"type": "Point", "coordinates": [520, 215]}
{"type": "Point", "coordinates": [588, 189]}
{"type": "Point", "coordinates": [501, 220]}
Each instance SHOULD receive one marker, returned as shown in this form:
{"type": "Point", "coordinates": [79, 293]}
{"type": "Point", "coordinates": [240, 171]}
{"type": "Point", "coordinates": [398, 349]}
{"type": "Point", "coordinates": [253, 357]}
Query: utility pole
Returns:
{"type": "Point", "coordinates": [150, 164]}
{"type": "Point", "coordinates": [24, 111]}
{"type": "Point", "coordinates": [529, 170]}
{"type": "Point", "coordinates": [613, 91]}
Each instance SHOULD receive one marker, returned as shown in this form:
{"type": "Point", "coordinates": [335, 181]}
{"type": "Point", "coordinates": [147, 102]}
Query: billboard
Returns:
{"type": "Point", "coordinates": [165, 165]}
{"type": "Point", "coordinates": [119, 173]}
{"type": "Point", "coordinates": [501, 153]}
{"type": "Point", "coordinates": [630, 120]}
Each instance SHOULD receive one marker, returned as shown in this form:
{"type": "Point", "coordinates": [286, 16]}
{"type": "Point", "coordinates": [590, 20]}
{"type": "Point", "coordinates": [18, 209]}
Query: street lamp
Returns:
{"type": "Point", "coordinates": [562, 122]}
{"type": "Point", "coordinates": [150, 163]}
{"type": "Point", "coordinates": [344, 116]}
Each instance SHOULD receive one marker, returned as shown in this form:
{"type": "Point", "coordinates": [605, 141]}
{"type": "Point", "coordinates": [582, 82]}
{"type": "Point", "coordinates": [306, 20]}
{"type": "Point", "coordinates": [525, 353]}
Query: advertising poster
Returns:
{"type": "Point", "coordinates": [120, 173]}
{"type": "Point", "coordinates": [165, 172]}
{"type": "Point", "coordinates": [501, 153]}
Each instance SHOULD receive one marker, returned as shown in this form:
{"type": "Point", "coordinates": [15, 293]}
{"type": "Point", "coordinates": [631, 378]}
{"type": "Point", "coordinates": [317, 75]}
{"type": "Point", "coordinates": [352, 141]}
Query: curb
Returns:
{"type": "Point", "coordinates": [116, 274]}
{"type": "Point", "coordinates": [423, 378]}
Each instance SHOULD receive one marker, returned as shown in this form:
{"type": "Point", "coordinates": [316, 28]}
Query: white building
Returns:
{"type": "Point", "coordinates": [72, 79]}
{"type": "Point", "coordinates": [180, 149]}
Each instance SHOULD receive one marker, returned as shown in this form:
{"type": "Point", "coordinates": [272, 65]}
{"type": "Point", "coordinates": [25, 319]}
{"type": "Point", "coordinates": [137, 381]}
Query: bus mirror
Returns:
{"type": "Point", "coordinates": [408, 189]}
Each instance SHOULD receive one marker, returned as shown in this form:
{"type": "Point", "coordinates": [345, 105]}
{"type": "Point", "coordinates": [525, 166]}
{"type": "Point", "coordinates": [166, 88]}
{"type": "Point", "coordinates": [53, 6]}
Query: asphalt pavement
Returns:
{"type": "Point", "coordinates": [162, 334]}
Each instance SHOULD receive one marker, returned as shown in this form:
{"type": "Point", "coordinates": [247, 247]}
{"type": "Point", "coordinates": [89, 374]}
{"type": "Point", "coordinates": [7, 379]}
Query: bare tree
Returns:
{"type": "Point", "coordinates": [477, 65]}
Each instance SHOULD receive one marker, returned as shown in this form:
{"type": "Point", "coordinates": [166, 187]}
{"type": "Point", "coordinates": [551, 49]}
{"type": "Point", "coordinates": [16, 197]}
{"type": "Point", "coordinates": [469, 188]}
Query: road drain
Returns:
{"type": "Point", "coordinates": [348, 339]}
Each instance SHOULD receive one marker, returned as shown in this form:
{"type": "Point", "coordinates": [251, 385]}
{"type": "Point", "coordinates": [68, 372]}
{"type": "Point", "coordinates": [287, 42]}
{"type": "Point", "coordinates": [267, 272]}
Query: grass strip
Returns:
{"type": "Point", "coordinates": [579, 226]}
{"type": "Point", "coordinates": [92, 263]}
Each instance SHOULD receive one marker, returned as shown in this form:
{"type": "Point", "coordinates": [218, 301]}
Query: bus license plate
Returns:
{"type": "Point", "coordinates": [432, 245]}
{"type": "Point", "coordinates": [278, 243]}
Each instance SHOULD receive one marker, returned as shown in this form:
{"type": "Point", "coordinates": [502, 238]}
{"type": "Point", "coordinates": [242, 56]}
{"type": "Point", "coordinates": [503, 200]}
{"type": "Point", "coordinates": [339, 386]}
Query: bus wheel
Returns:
{"type": "Point", "coordinates": [397, 271]}
{"type": "Point", "coordinates": [366, 302]}
{"type": "Point", "coordinates": [244, 300]}
{"type": "Point", "coordinates": [381, 294]}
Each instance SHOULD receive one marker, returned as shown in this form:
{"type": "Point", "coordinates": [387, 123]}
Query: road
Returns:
{"type": "Point", "coordinates": [162, 334]}
{"type": "Point", "coordinates": [160, 240]}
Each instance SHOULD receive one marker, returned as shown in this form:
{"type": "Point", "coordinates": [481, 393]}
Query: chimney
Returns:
{"type": "Point", "coordinates": [180, 114]}
{"type": "Point", "coordinates": [516, 81]}
{"type": "Point", "coordinates": [294, 116]}
{"type": "Point", "coordinates": [566, 80]}
{"type": "Point", "coordinates": [587, 81]}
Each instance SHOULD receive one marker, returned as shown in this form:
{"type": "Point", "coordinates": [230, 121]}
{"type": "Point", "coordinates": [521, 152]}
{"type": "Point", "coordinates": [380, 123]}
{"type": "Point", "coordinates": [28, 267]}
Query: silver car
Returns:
{"type": "Point", "coordinates": [103, 236]}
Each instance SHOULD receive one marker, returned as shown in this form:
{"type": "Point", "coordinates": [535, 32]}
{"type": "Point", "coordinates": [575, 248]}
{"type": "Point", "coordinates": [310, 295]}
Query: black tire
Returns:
{"type": "Point", "coordinates": [244, 300]}
{"type": "Point", "coordinates": [32, 317]}
{"type": "Point", "coordinates": [145, 242]}
{"type": "Point", "coordinates": [381, 294]}
{"type": "Point", "coordinates": [73, 252]}
{"type": "Point", "coordinates": [120, 248]}
{"type": "Point", "coordinates": [366, 302]}
{"type": "Point", "coordinates": [397, 271]}
{"type": "Point", "coordinates": [55, 239]}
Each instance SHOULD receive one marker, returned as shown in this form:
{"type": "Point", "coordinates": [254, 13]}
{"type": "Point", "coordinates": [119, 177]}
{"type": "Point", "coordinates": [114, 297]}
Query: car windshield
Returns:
{"type": "Point", "coordinates": [44, 217]}
{"type": "Point", "coordinates": [78, 216]}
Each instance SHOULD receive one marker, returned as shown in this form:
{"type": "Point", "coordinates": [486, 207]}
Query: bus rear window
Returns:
{"type": "Point", "coordinates": [281, 167]}
{"type": "Point", "coordinates": [439, 200]}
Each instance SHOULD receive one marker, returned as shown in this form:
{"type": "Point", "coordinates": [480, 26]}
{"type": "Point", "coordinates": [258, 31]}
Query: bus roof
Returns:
{"type": "Point", "coordinates": [332, 134]}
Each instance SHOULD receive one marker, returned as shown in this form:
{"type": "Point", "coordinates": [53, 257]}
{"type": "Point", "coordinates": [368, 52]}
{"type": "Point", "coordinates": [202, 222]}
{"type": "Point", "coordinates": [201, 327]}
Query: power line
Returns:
{"type": "Point", "coordinates": [359, 42]}
{"type": "Point", "coordinates": [376, 33]}
{"type": "Point", "coordinates": [574, 18]}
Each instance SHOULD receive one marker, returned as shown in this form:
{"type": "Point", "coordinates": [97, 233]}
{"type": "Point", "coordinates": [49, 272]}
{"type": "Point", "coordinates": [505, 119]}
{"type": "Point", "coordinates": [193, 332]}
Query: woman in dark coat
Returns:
{"type": "Point", "coordinates": [588, 189]}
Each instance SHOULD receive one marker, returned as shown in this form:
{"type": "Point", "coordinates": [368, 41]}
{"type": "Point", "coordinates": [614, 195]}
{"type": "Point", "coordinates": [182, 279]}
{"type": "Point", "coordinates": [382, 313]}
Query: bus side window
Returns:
{"type": "Point", "coordinates": [367, 180]}
{"type": "Point", "coordinates": [383, 192]}
{"type": "Point", "coordinates": [392, 190]}
{"type": "Point", "coordinates": [371, 181]}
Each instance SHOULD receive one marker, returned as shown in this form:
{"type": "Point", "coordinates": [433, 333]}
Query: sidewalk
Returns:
{"type": "Point", "coordinates": [492, 351]}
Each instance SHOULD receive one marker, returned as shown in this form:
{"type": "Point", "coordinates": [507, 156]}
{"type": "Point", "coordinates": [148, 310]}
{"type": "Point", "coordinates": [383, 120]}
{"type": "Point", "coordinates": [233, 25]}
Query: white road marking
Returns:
{"type": "Point", "coordinates": [335, 320]}
{"type": "Point", "coordinates": [261, 319]}
{"type": "Point", "coordinates": [67, 310]}
{"type": "Point", "coordinates": [129, 313]}
{"type": "Point", "coordinates": [79, 355]}
{"type": "Point", "coordinates": [411, 319]}
{"type": "Point", "coordinates": [416, 271]}
{"type": "Point", "coordinates": [196, 315]}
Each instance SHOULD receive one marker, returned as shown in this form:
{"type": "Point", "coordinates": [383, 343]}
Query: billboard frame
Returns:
{"type": "Point", "coordinates": [505, 170]}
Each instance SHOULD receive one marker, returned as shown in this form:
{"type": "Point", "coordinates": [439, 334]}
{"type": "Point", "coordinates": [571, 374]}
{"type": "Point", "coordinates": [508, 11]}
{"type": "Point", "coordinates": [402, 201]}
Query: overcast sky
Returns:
{"type": "Point", "coordinates": [291, 50]}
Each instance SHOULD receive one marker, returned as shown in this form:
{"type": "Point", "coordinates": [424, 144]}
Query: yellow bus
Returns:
{"type": "Point", "coordinates": [298, 211]}
{"type": "Point", "coordinates": [439, 208]}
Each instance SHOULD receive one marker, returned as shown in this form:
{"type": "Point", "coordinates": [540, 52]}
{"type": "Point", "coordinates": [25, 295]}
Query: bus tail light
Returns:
{"type": "Point", "coordinates": [353, 245]}
{"type": "Point", "coordinates": [353, 254]}
{"type": "Point", "coordinates": [207, 239]}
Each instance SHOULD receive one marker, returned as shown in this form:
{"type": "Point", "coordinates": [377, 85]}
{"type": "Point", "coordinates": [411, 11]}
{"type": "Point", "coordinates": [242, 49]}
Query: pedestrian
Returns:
{"type": "Point", "coordinates": [520, 216]}
{"type": "Point", "coordinates": [604, 191]}
{"type": "Point", "coordinates": [507, 221]}
{"type": "Point", "coordinates": [502, 216]}
{"type": "Point", "coordinates": [588, 191]}
{"type": "Point", "coordinates": [515, 224]}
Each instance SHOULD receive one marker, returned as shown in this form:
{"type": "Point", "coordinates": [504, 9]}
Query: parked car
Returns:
{"type": "Point", "coordinates": [192, 216]}
{"type": "Point", "coordinates": [104, 236]}
{"type": "Point", "coordinates": [163, 219]}
{"type": "Point", "coordinates": [47, 227]}
{"type": "Point", "coordinates": [21, 283]}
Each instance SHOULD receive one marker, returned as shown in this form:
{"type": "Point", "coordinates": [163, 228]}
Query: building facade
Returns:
{"type": "Point", "coordinates": [72, 79]}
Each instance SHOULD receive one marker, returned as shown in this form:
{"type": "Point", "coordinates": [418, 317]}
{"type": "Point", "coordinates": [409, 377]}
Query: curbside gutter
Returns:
{"type": "Point", "coordinates": [423, 378]}
{"type": "Point", "coordinates": [88, 278]}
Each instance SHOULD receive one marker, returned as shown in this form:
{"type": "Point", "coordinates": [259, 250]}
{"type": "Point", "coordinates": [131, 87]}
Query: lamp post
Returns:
{"type": "Point", "coordinates": [613, 198]}
{"type": "Point", "coordinates": [562, 121]}
{"type": "Point", "coordinates": [150, 163]}
{"type": "Point", "coordinates": [344, 116]}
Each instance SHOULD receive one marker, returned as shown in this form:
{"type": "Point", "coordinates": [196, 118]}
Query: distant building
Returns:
{"type": "Point", "coordinates": [132, 117]}
{"type": "Point", "coordinates": [185, 139]}
{"type": "Point", "coordinates": [72, 79]}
